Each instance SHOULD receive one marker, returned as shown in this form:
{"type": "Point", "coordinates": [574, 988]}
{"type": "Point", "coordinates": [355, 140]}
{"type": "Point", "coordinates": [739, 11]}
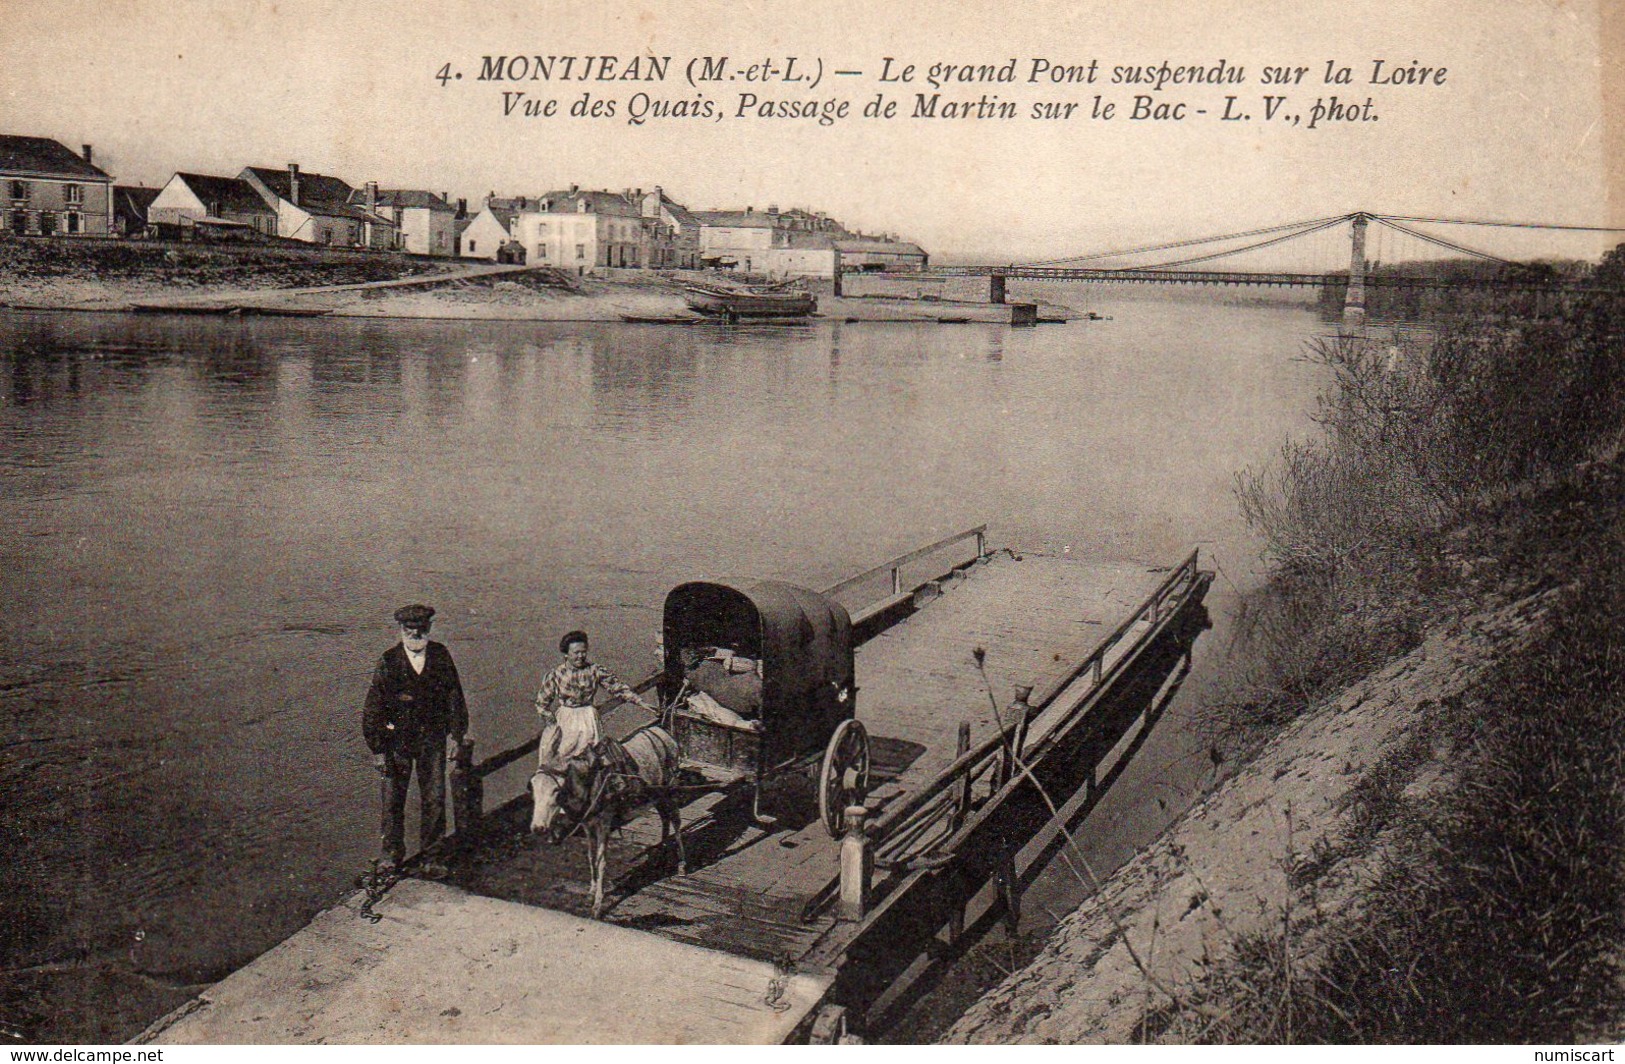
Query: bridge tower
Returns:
{"type": "Point", "coordinates": [1354, 299]}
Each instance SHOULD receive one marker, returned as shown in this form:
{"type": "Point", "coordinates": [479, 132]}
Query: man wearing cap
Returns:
{"type": "Point", "coordinates": [415, 718]}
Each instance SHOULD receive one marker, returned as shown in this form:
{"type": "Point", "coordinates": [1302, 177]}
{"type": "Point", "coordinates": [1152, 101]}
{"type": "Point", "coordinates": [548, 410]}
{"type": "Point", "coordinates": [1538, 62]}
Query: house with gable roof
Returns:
{"type": "Point", "coordinates": [190, 205]}
{"type": "Point", "coordinates": [319, 209]}
{"type": "Point", "coordinates": [491, 229]}
{"type": "Point", "coordinates": [427, 223]}
{"type": "Point", "coordinates": [46, 189]}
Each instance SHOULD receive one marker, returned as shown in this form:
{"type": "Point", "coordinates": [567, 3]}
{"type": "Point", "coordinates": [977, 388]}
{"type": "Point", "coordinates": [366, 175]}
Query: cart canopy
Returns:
{"type": "Point", "coordinates": [802, 640]}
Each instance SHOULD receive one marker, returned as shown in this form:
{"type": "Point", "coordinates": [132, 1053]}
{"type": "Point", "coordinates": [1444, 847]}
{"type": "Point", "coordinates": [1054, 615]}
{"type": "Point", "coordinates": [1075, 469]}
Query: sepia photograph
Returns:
{"type": "Point", "coordinates": [716, 522]}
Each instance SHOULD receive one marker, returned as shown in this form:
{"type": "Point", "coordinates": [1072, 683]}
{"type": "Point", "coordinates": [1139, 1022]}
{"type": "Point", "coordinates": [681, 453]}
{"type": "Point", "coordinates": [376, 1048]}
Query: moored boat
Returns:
{"type": "Point", "coordinates": [750, 302]}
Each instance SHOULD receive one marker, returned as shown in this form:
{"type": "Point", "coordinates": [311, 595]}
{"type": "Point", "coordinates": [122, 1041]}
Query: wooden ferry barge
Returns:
{"type": "Point", "coordinates": [781, 931]}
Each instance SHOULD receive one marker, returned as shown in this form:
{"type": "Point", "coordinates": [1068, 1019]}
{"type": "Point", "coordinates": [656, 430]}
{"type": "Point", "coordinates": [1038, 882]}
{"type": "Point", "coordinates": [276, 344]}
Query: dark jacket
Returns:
{"type": "Point", "coordinates": [404, 708]}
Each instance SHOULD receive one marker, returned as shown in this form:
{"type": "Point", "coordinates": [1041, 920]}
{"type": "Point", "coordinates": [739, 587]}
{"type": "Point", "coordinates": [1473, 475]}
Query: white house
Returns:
{"type": "Point", "coordinates": [426, 222]}
{"type": "Point", "coordinates": [489, 230]}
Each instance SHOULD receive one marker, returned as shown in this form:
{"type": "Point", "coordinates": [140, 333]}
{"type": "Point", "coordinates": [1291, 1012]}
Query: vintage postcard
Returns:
{"type": "Point", "coordinates": [735, 521]}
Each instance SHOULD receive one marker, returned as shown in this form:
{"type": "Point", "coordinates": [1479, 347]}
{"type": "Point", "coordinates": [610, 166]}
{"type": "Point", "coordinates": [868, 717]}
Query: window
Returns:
{"type": "Point", "coordinates": [19, 222]}
{"type": "Point", "coordinates": [541, 251]}
{"type": "Point", "coordinates": [19, 190]}
{"type": "Point", "coordinates": [73, 221]}
{"type": "Point", "coordinates": [47, 222]}
{"type": "Point", "coordinates": [581, 251]}
{"type": "Point", "coordinates": [473, 246]}
{"type": "Point", "coordinates": [74, 194]}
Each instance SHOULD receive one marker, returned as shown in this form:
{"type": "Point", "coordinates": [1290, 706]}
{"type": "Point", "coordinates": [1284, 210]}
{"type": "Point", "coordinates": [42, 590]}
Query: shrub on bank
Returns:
{"type": "Point", "coordinates": [1412, 437]}
{"type": "Point", "coordinates": [1478, 467]}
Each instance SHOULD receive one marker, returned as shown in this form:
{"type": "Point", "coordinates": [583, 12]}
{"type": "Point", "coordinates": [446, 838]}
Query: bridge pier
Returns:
{"type": "Point", "coordinates": [995, 288]}
{"type": "Point", "coordinates": [1354, 298]}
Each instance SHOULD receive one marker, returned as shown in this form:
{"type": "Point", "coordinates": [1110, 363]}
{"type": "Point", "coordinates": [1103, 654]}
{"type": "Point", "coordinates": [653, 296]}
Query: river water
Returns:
{"type": "Point", "coordinates": [207, 523]}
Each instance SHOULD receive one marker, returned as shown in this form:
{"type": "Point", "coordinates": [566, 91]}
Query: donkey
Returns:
{"type": "Point", "coordinates": [598, 792]}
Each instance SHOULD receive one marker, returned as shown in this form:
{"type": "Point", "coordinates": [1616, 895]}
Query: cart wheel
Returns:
{"type": "Point", "coordinates": [844, 777]}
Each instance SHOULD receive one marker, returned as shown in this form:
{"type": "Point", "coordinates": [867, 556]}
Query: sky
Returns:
{"type": "Point", "coordinates": [1514, 132]}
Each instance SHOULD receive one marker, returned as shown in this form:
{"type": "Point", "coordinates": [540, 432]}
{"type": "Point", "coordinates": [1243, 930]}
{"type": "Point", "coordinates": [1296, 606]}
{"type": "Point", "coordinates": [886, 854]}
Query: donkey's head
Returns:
{"type": "Point", "coordinates": [559, 799]}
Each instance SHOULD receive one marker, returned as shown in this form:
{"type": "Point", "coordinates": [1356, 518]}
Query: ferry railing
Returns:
{"type": "Point", "coordinates": [922, 829]}
{"type": "Point", "coordinates": [467, 778]}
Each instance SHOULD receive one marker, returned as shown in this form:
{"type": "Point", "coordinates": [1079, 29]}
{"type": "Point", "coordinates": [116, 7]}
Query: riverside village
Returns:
{"type": "Point", "coordinates": [796, 636]}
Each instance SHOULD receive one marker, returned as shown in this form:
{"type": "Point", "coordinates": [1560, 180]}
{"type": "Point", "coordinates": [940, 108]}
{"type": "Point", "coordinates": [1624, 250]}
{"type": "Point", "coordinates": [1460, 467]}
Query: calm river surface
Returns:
{"type": "Point", "coordinates": [206, 525]}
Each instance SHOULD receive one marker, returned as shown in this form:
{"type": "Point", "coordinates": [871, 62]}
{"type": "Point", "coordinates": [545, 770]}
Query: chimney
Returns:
{"type": "Point", "coordinates": [89, 156]}
{"type": "Point", "coordinates": [773, 209]}
{"type": "Point", "coordinates": [574, 189]}
{"type": "Point", "coordinates": [445, 197]}
{"type": "Point", "coordinates": [293, 184]}
{"type": "Point", "coordinates": [462, 207]}
{"type": "Point", "coordinates": [372, 195]}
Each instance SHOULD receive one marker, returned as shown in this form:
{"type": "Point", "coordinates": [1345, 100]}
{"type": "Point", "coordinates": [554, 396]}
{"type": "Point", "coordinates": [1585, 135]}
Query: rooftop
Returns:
{"type": "Point", "coordinates": [45, 157]}
{"type": "Point", "coordinates": [225, 194]}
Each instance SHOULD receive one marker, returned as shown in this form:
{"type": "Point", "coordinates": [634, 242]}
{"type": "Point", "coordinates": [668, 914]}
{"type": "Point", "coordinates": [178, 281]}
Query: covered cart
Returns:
{"type": "Point", "coordinates": [760, 682]}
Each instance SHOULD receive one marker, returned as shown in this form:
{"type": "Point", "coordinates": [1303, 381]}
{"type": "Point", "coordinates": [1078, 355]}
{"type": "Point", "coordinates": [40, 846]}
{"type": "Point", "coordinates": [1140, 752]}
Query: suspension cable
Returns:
{"type": "Point", "coordinates": [1450, 245]}
{"type": "Point", "coordinates": [1327, 224]}
{"type": "Point", "coordinates": [1190, 243]}
{"type": "Point", "coordinates": [1503, 225]}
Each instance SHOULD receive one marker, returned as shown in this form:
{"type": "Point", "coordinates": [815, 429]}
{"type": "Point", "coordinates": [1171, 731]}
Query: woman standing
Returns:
{"type": "Point", "coordinates": [565, 703]}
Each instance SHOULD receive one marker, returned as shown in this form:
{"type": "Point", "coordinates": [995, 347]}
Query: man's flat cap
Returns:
{"type": "Point", "coordinates": [414, 616]}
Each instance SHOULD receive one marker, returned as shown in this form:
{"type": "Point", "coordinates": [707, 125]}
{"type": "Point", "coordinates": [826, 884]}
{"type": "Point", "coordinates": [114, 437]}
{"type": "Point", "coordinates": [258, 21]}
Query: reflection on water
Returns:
{"type": "Point", "coordinates": [206, 525]}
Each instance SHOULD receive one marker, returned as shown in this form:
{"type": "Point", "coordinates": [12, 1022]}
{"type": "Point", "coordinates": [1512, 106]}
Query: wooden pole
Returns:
{"type": "Point", "coordinates": [956, 918]}
{"type": "Point", "coordinates": [467, 789]}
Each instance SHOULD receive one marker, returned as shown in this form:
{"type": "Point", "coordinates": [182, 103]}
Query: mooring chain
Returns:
{"type": "Point", "coordinates": [376, 883]}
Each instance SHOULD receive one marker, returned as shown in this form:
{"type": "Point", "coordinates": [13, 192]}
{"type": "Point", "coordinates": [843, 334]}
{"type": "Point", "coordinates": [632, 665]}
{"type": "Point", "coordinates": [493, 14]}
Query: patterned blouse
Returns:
{"type": "Point", "coordinates": [567, 685]}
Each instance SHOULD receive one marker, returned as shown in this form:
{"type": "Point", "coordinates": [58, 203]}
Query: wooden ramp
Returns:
{"type": "Point", "coordinates": [444, 966]}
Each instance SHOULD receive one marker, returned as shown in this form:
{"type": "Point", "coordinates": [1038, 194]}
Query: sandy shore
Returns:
{"type": "Point", "coordinates": [527, 296]}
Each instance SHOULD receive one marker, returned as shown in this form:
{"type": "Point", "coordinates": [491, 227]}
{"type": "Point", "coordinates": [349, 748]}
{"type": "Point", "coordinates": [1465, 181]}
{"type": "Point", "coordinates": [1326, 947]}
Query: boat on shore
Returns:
{"type": "Point", "coordinates": [735, 303]}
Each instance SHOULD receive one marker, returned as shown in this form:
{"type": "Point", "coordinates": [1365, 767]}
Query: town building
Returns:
{"type": "Point", "coordinates": [190, 206]}
{"type": "Point", "coordinates": [586, 230]}
{"type": "Point", "coordinates": [130, 206]}
{"type": "Point", "coordinates": [864, 254]}
{"type": "Point", "coordinates": [682, 249]}
{"type": "Point", "coordinates": [794, 243]}
{"type": "Point", "coordinates": [491, 229]}
{"type": "Point", "coordinates": [427, 223]}
{"type": "Point", "coordinates": [45, 189]}
{"type": "Point", "coordinates": [319, 209]}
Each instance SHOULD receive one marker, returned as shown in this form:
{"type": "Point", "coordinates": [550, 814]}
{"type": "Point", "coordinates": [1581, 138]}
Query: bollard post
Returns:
{"type": "Point", "coordinates": [857, 865]}
{"type": "Point", "coordinates": [1023, 713]}
{"type": "Point", "coordinates": [467, 789]}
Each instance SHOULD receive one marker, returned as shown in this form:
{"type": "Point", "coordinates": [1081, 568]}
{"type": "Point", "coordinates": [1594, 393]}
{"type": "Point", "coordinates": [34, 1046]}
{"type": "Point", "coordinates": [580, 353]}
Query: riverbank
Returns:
{"type": "Point", "coordinates": [1420, 836]}
{"type": "Point", "coordinates": [119, 277]}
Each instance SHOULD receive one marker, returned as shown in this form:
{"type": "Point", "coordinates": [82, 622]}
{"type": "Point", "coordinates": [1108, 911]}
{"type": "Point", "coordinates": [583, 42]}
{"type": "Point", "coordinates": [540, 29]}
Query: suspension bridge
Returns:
{"type": "Point", "coordinates": [1330, 252]}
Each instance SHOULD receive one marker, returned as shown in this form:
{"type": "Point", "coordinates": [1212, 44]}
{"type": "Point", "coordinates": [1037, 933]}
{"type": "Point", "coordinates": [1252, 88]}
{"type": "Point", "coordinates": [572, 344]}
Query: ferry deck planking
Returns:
{"type": "Point", "coordinates": [746, 914]}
